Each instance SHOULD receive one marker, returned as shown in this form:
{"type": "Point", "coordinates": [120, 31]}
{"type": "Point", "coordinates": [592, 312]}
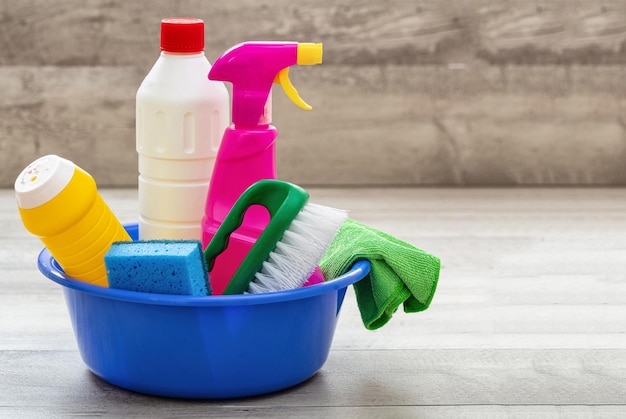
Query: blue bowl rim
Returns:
{"type": "Point", "coordinates": [49, 267]}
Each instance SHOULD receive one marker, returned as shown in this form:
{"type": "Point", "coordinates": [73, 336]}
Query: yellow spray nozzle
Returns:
{"type": "Point", "coordinates": [309, 54]}
{"type": "Point", "coordinates": [282, 78]}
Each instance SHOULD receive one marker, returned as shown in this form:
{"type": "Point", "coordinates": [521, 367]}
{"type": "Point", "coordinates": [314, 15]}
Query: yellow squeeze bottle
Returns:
{"type": "Point", "coordinates": [59, 202]}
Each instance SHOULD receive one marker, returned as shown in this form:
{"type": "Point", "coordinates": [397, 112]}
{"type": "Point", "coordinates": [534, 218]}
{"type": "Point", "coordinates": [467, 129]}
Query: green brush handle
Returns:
{"type": "Point", "coordinates": [283, 201]}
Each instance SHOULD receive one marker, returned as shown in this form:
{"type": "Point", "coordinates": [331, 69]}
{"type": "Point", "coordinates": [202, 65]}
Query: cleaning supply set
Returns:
{"type": "Point", "coordinates": [179, 114]}
{"type": "Point", "coordinates": [199, 189]}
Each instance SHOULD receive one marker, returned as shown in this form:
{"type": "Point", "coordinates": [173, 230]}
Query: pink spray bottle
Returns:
{"type": "Point", "coordinates": [247, 150]}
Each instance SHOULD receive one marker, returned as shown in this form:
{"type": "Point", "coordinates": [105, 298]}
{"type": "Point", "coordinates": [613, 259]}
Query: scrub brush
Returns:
{"type": "Point", "coordinates": [287, 251]}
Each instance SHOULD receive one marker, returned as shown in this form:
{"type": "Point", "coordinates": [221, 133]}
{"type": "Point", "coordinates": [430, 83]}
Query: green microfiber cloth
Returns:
{"type": "Point", "coordinates": [400, 273]}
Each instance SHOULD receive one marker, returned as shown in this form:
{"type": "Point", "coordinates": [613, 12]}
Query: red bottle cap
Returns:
{"type": "Point", "coordinates": [182, 34]}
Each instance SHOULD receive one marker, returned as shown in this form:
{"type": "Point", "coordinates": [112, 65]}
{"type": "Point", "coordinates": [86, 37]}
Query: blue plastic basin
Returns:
{"type": "Point", "coordinates": [203, 347]}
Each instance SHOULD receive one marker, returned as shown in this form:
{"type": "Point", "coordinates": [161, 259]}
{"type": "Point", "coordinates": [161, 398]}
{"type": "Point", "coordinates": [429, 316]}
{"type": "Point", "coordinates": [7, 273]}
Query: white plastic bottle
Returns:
{"type": "Point", "coordinates": [181, 116]}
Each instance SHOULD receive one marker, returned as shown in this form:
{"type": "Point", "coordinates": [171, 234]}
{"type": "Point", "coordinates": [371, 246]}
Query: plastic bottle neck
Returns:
{"type": "Point", "coordinates": [248, 127]}
{"type": "Point", "coordinates": [182, 54]}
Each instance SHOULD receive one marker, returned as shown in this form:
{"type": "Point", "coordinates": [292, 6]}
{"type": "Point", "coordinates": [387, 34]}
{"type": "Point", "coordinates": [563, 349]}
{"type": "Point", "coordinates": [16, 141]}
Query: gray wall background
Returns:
{"type": "Point", "coordinates": [466, 92]}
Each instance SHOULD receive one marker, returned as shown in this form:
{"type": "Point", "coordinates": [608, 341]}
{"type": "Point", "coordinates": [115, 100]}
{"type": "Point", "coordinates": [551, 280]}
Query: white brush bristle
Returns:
{"type": "Point", "coordinates": [295, 256]}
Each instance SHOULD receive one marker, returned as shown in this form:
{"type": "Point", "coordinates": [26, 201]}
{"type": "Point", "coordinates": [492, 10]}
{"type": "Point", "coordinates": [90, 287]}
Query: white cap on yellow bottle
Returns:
{"type": "Point", "coordinates": [42, 180]}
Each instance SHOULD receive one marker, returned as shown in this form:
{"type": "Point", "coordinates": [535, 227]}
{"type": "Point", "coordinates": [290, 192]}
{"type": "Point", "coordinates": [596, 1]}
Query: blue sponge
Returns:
{"type": "Point", "coordinates": [158, 266]}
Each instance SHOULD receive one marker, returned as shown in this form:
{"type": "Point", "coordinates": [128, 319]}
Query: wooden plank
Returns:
{"type": "Point", "coordinates": [207, 410]}
{"type": "Point", "coordinates": [358, 33]}
{"type": "Point", "coordinates": [374, 132]}
{"type": "Point", "coordinates": [436, 377]}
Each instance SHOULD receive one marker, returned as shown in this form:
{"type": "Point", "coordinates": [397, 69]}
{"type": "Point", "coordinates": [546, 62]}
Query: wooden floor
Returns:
{"type": "Point", "coordinates": [529, 319]}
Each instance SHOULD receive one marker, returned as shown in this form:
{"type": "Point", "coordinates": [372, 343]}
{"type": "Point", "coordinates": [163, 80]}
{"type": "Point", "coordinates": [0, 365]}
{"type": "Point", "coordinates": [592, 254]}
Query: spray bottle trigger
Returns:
{"type": "Point", "coordinates": [282, 78]}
